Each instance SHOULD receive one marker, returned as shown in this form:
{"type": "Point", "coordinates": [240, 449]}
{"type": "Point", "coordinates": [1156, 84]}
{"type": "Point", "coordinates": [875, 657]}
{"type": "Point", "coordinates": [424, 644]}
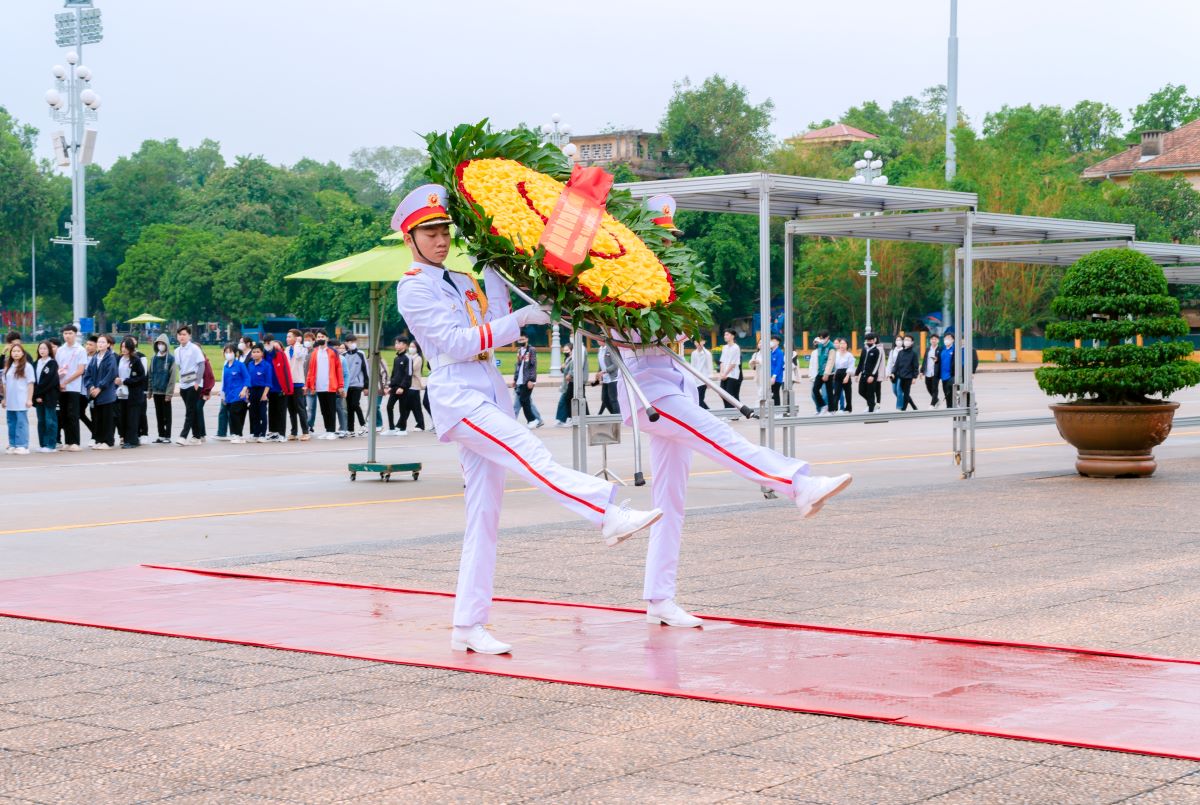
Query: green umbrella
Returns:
{"type": "Point", "coordinates": [145, 318]}
{"type": "Point", "coordinates": [377, 266]}
{"type": "Point", "coordinates": [381, 264]}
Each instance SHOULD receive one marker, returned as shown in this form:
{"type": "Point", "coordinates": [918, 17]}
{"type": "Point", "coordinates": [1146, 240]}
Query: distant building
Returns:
{"type": "Point", "coordinates": [642, 151]}
{"type": "Point", "coordinates": [1170, 152]}
{"type": "Point", "coordinates": [838, 134]}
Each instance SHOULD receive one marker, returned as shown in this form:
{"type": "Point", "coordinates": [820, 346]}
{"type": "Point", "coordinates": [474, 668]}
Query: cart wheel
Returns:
{"type": "Point", "coordinates": [416, 474]}
{"type": "Point", "coordinates": [353, 476]}
{"type": "Point", "coordinates": [387, 477]}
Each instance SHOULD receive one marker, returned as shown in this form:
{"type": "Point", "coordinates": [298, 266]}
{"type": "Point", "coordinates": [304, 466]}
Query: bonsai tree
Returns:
{"type": "Point", "coordinates": [1110, 297]}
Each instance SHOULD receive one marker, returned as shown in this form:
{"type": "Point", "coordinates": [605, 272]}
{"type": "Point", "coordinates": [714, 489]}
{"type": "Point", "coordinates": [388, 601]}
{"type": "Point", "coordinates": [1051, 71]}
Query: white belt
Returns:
{"type": "Point", "coordinates": [441, 361]}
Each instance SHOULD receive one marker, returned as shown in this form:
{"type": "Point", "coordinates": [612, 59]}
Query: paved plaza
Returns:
{"type": "Point", "coordinates": [1027, 551]}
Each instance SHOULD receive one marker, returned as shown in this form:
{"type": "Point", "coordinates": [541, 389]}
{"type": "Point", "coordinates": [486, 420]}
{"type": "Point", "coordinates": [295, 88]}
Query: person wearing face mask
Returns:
{"type": "Point", "coordinates": [566, 390]}
{"type": "Point", "coordinates": [947, 367]}
{"type": "Point", "coordinates": [906, 370]}
{"type": "Point", "coordinates": [164, 375]}
{"type": "Point", "coordinates": [400, 380]}
{"type": "Point", "coordinates": [525, 380]}
{"type": "Point", "coordinates": [890, 371]}
{"type": "Point", "coordinates": [412, 392]}
{"type": "Point", "coordinates": [870, 372]}
{"type": "Point", "coordinates": [281, 388]}
{"type": "Point", "coordinates": [324, 379]}
{"type": "Point", "coordinates": [822, 375]}
{"type": "Point", "coordinates": [354, 369]}
{"type": "Point", "coordinates": [235, 390]}
{"type": "Point", "coordinates": [310, 397]}
{"type": "Point", "coordinates": [931, 369]}
{"type": "Point", "coordinates": [297, 412]}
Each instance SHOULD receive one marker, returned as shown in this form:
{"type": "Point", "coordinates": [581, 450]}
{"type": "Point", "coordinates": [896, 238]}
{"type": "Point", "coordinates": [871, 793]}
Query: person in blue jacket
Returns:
{"type": "Point", "coordinates": [102, 390]}
{"type": "Point", "coordinates": [235, 389]}
{"type": "Point", "coordinates": [261, 373]}
{"type": "Point", "coordinates": [776, 369]}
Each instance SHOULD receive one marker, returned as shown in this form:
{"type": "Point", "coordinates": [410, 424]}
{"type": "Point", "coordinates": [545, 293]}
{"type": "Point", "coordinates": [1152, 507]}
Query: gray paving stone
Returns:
{"type": "Point", "coordinates": [111, 787]}
{"type": "Point", "coordinates": [318, 784]}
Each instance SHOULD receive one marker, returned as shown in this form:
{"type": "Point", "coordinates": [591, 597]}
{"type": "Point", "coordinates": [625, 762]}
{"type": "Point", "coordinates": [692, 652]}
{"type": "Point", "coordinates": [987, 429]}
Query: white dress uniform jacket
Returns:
{"type": "Point", "coordinates": [459, 380]}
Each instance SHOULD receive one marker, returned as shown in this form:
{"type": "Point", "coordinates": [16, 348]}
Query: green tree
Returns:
{"type": "Point", "coordinates": [26, 200]}
{"type": "Point", "coordinates": [389, 164]}
{"type": "Point", "coordinates": [1168, 108]}
{"type": "Point", "coordinates": [167, 272]}
{"type": "Point", "coordinates": [240, 290]}
{"type": "Point", "coordinates": [1092, 126]}
{"type": "Point", "coordinates": [714, 126]}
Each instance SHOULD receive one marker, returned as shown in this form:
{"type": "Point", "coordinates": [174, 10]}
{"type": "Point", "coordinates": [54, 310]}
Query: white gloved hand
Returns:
{"type": "Point", "coordinates": [532, 314]}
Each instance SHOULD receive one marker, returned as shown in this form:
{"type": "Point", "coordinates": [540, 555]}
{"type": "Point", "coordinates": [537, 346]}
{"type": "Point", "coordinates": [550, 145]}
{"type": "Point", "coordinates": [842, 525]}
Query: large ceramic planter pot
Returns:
{"type": "Point", "coordinates": [1114, 441]}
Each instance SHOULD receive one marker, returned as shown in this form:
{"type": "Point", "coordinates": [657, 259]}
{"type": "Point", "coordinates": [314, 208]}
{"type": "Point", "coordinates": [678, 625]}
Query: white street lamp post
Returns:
{"type": "Point", "coordinates": [73, 103]}
{"type": "Point", "coordinates": [869, 170]}
{"type": "Point", "coordinates": [558, 134]}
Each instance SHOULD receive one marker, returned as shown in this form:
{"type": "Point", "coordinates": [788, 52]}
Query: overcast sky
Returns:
{"type": "Point", "coordinates": [318, 78]}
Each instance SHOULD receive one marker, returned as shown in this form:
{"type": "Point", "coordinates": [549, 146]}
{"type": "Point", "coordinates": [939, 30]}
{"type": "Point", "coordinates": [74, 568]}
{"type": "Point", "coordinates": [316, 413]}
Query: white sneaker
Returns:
{"type": "Point", "coordinates": [536, 424]}
{"type": "Point", "coordinates": [195, 440]}
{"type": "Point", "coordinates": [669, 613]}
{"type": "Point", "coordinates": [476, 638]}
{"type": "Point", "coordinates": [558, 423]}
{"type": "Point", "coordinates": [101, 446]}
{"type": "Point", "coordinates": [221, 438]}
{"type": "Point", "coordinates": [46, 450]}
{"type": "Point", "coordinates": [237, 440]}
{"type": "Point", "coordinates": [816, 490]}
{"type": "Point", "coordinates": [74, 448]}
{"type": "Point", "coordinates": [10, 450]}
{"type": "Point", "coordinates": [401, 433]}
{"type": "Point", "coordinates": [22, 451]}
{"type": "Point", "coordinates": [621, 522]}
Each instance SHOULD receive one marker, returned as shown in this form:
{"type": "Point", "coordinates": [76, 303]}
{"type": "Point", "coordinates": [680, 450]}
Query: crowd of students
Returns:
{"type": "Point", "coordinates": [276, 388]}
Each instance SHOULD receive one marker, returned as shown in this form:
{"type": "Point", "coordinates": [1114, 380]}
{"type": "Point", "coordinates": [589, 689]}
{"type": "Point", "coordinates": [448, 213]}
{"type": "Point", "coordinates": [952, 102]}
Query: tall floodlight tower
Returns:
{"type": "Point", "coordinates": [951, 156]}
{"type": "Point", "coordinates": [74, 104]}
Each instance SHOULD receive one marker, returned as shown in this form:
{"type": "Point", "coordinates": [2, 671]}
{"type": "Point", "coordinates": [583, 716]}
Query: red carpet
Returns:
{"type": "Point", "coordinates": [1060, 695]}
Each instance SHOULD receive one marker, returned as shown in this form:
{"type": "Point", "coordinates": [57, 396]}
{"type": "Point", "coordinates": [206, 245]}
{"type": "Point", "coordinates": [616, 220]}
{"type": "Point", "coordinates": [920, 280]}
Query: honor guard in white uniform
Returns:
{"type": "Point", "coordinates": [684, 427]}
{"type": "Point", "coordinates": [458, 321]}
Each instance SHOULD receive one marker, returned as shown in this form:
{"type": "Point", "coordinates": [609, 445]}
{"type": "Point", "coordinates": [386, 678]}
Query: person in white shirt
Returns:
{"type": "Point", "coordinates": [731, 368]}
{"type": "Point", "coordinates": [190, 361]}
{"type": "Point", "coordinates": [72, 360]}
{"type": "Point", "coordinates": [843, 374]}
{"type": "Point", "coordinates": [18, 398]}
{"type": "Point", "coordinates": [702, 362]}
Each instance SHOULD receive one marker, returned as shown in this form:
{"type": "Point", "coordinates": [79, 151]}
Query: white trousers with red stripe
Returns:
{"type": "Point", "coordinates": [491, 443]}
{"type": "Point", "coordinates": [684, 427]}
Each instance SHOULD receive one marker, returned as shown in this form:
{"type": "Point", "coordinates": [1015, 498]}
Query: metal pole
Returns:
{"type": "Point", "coordinates": [79, 213]}
{"type": "Point", "coordinates": [373, 322]}
{"type": "Point", "coordinates": [579, 369]}
{"type": "Point", "coordinates": [789, 335]}
{"type": "Point", "coordinates": [966, 342]}
{"type": "Point", "coordinates": [951, 155]}
{"type": "Point", "coordinates": [33, 273]}
{"type": "Point", "coordinates": [867, 269]}
{"type": "Point", "coordinates": [766, 432]}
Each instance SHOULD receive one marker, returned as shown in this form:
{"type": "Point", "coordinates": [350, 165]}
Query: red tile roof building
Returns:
{"type": "Point", "coordinates": [1167, 152]}
{"type": "Point", "coordinates": [838, 133]}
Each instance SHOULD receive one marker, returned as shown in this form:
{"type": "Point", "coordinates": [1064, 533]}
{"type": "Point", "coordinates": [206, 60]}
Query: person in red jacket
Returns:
{"type": "Point", "coordinates": [282, 387]}
{"type": "Point", "coordinates": [325, 378]}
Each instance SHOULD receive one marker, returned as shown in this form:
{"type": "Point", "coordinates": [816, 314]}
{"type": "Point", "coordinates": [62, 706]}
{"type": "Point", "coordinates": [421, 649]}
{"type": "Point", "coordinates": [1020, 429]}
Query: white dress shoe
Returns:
{"type": "Point", "coordinates": [621, 522]}
{"type": "Point", "coordinates": [817, 490]}
{"type": "Point", "coordinates": [477, 638]}
{"type": "Point", "coordinates": [669, 613]}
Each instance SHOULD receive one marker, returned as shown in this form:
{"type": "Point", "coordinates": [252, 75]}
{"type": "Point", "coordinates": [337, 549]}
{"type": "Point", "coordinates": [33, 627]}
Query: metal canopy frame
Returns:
{"type": "Point", "coordinates": [1171, 256]}
{"type": "Point", "coordinates": [832, 208]}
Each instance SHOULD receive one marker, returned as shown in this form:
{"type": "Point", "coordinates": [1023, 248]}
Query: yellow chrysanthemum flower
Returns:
{"type": "Point", "coordinates": [519, 200]}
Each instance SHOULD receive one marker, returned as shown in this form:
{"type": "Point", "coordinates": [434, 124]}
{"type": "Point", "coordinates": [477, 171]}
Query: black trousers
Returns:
{"type": "Point", "coordinates": [411, 404]}
{"type": "Point", "coordinates": [297, 412]}
{"type": "Point", "coordinates": [608, 399]}
{"type": "Point", "coordinates": [775, 389]}
{"type": "Point", "coordinates": [162, 415]}
{"type": "Point", "coordinates": [733, 388]}
{"type": "Point", "coordinates": [700, 391]}
{"type": "Point", "coordinates": [69, 403]}
{"type": "Point", "coordinates": [257, 406]}
{"type": "Point", "coordinates": [931, 385]}
{"type": "Point", "coordinates": [818, 393]}
{"type": "Point", "coordinates": [131, 410]}
{"type": "Point", "coordinates": [525, 397]}
{"type": "Point", "coordinates": [102, 423]}
{"type": "Point", "coordinates": [325, 399]}
{"type": "Point", "coordinates": [353, 409]}
{"type": "Point", "coordinates": [871, 392]}
{"type": "Point", "coordinates": [84, 403]}
{"type": "Point", "coordinates": [906, 390]}
{"type": "Point", "coordinates": [237, 417]}
{"type": "Point", "coordinates": [948, 392]}
{"type": "Point", "coordinates": [844, 393]}
{"type": "Point", "coordinates": [190, 397]}
{"type": "Point", "coordinates": [276, 412]}
{"type": "Point", "coordinates": [394, 399]}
